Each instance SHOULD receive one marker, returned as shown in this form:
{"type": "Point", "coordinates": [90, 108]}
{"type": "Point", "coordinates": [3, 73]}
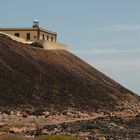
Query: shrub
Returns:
{"type": "Point", "coordinates": [47, 137]}
{"type": "Point", "coordinates": [8, 137]}
{"type": "Point", "coordinates": [56, 137]}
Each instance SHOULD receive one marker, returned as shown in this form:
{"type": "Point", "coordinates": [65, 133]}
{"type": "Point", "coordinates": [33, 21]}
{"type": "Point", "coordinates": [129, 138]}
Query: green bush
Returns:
{"type": "Point", "coordinates": [47, 137]}
{"type": "Point", "coordinates": [56, 137]}
{"type": "Point", "coordinates": [13, 138]}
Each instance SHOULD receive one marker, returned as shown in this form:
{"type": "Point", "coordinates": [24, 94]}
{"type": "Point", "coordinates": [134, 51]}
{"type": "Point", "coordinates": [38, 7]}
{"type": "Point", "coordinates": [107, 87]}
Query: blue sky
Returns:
{"type": "Point", "coordinates": [105, 33]}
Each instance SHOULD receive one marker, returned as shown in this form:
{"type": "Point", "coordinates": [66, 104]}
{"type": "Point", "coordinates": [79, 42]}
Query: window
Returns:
{"type": "Point", "coordinates": [34, 36]}
{"type": "Point", "coordinates": [55, 39]}
{"type": "Point", "coordinates": [17, 34]}
{"type": "Point", "coordinates": [52, 38]}
{"type": "Point", "coordinates": [28, 36]}
{"type": "Point", "coordinates": [43, 37]}
{"type": "Point", "coordinates": [47, 37]}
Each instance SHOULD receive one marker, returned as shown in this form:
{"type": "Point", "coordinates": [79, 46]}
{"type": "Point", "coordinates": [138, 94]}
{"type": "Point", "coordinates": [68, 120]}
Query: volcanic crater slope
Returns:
{"type": "Point", "coordinates": [56, 81]}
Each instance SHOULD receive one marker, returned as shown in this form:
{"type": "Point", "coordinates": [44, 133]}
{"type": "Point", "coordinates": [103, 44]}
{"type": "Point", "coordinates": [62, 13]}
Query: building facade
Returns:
{"type": "Point", "coordinates": [35, 35]}
{"type": "Point", "coordinates": [31, 34]}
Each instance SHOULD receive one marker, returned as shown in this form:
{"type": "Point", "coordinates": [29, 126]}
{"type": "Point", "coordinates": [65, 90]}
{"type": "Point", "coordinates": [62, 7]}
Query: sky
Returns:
{"type": "Point", "coordinates": [104, 33]}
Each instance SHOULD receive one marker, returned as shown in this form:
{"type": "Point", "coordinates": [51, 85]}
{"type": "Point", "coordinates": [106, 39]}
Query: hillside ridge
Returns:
{"type": "Point", "coordinates": [56, 81]}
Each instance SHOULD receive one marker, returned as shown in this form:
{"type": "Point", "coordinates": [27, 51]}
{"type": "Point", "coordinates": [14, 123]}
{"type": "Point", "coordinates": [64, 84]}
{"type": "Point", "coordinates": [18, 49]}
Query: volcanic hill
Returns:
{"type": "Point", "coordinates": [56, 81]}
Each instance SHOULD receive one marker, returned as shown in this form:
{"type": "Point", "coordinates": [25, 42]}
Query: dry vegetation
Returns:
{"type": "Point", "coordinates": [51, 137]}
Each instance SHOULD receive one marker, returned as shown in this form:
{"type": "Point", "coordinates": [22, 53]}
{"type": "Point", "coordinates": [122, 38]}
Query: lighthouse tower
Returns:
{"type": "Point", "coordinates": [35, 24]}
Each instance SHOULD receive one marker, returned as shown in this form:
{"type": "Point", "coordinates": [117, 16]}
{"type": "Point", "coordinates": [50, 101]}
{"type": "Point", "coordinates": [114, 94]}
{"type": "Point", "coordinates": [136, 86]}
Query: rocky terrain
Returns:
{"type": "Point", "coordinates": [46, 92]}
{"type": "Point", "coordinates": [100, 128]}
{"type": "Point", "coordinates": [110, 128]}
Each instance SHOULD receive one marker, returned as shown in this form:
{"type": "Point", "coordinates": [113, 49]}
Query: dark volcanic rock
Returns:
{"type": "Point", "coordinates": [56, 81]}
{"type": "Point", "coordinates": [135, 122]}
{"type": "Point", "coordinates": [109, 128]}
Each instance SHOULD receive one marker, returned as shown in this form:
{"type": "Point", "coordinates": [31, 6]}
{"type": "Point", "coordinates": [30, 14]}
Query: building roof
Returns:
{"type": "Point", "coordinates": [28, 29]}
{"type": "Point", "coordinates": [47, 31]}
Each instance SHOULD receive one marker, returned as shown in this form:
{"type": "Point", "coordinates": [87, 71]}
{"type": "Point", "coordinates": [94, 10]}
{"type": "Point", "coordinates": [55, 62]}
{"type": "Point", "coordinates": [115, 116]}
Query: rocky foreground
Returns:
{"type": "Point", "coordinates": [101, 128]}
{"type": "Point", "coordinates": [105, 128]}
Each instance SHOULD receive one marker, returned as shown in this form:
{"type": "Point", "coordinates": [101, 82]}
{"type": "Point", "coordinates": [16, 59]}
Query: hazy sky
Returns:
{"type": "Point", "coordinates": [105, 33]}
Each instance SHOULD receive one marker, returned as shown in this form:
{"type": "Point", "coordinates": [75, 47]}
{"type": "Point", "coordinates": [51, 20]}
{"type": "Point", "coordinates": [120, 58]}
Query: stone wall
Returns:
{"type": "Point", "coordinates": [48, 45]}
